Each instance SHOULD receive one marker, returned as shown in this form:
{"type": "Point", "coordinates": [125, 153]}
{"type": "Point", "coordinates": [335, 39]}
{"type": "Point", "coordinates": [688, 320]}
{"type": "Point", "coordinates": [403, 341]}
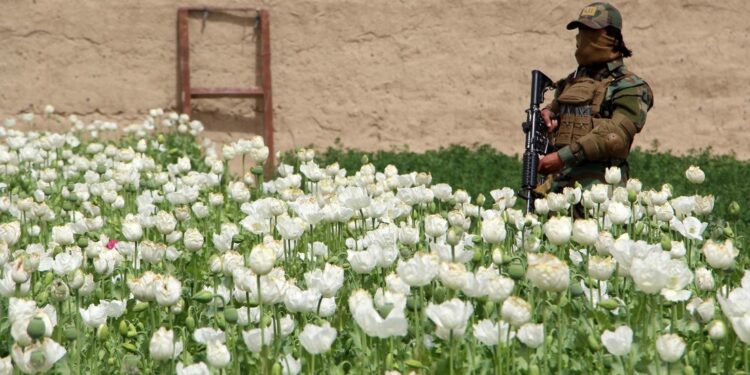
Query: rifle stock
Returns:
{"type": "Point", "coordinates": [537, 142]}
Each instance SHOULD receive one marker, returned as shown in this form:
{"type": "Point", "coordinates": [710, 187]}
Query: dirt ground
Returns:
{"type": "Point", "coordinates": [376, 74]}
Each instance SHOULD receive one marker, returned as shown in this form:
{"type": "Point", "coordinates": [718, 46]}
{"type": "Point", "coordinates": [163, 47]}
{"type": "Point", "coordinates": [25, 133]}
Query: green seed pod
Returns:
{"type": "Point", "coordinates": [412, 303]}
{"type": "Point", "coordinates": [489, 307]}
{"type": "Point", "coordinates": [203, 296]}
{"type": "Point", "coordinates": [734, 208]}
{"type": "Point", "coordinates": [639, 228]}
{"type": "Point", "coordinates": [129, 347]}
{"type": "Point", "coordinates": [632, 196]}
{"type": "Point", "coordinates": [230, 315]}
{"type": "Point", "coordinates": [688, 370]}
{"type": "Point", "coordinates": [506, 258]}
{"type": "Point", "coordinates": [516, 271]}
{"type": "Point", "coordinates": [68, 206]}
{"type": "Point", "coordinates": [123, 327]}
{"type": "Point", "coordinates": [480, 199]}
{"type": "Point", "coordinates": [728, 232]}
{"type": "Point", "coordinates": [221, 322]}
{"type": "Point", "coordinates": [709, 346]}
{"type": "Point", "coordinates": [439, 294]}
{"type": "Point", "coordinates": [38, 359]}
{"type": "Point", "coordinates": [36, 328]}
{"type": "Point", "coordinates": [140, 306]}
{"type": "Point", "coordinates": [132, 334]}
{"type": "Point", "coordinates": [257, 170]}
{"type": "Point", "coordinates": [454, 236]}
{"type": "Point", "coordinates": [534, 369]}
{"type": "Point", "coordinates": [389, 360]}
{"type": "Point", "coordinates": [609, 304]}
{"type": "Point", "coordinates": [41, 299]}
{"type": "Point", "coordinates": [666, 242]}
{"type": "Point", "coordinates": [111, 361]}
{"type": "Point", "coordinates": [576, 289]}
{"type": "Point", "coordinates": [477, 255]}
{"type": "Point", "coordinates": [266, 320]}
{"type": "Point", "coordinates": [413, 363]}
{"type": "Point", "coordinates": [593, 342]}
{"type": "Point", "coordinates": [102, 333]}
{"type": "Point", "coordinates": [190, 322]}
{"type": "Point", "coordinates": [48, 277]}
{"type": "Point", "coordinates": [276, 369]}
{"type": "Point", "coordinates": [70, 334]}
{"type": "Point", "coordinates": [365, 159]}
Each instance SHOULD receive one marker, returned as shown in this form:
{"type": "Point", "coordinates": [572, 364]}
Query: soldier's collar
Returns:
{"type": "Point", "coordinates": [615, 65]}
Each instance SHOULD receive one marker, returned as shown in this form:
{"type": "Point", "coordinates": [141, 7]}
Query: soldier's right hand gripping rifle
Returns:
{"type": "Point", "coordinates": [537, 140]}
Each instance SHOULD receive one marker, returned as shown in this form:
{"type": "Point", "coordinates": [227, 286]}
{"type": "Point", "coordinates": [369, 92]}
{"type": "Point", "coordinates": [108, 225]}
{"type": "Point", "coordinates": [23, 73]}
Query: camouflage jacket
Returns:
{"type": "Point", "coordinates": [622, 115]}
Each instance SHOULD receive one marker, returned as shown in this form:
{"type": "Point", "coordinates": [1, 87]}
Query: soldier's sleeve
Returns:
{"type": "Point", "coordinates": [612, 138]}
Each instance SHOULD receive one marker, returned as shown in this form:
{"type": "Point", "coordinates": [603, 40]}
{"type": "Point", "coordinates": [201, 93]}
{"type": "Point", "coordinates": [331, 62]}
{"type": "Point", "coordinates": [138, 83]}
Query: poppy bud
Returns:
{"type": "Point", "coordinates": [230, 315]}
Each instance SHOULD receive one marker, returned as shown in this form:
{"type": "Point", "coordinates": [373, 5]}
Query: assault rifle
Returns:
{"type": "Point", "coordinates": [537, 142]}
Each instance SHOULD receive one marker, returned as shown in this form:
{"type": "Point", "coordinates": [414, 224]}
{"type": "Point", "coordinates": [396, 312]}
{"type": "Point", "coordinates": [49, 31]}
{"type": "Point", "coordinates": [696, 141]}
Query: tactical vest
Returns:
{"type": "Point", "coordinates": [584, 98]}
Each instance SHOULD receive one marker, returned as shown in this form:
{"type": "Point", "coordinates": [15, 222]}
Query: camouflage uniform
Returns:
{"type": "Point", "coordinates": [600, 109]}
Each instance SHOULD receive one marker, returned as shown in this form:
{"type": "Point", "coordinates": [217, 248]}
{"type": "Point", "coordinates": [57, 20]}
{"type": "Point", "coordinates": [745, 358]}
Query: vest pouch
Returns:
{"type": "Point", "coordinates": [575, 122]}
{"type": "Point", "coordinates": [575, 111]}
{"type": "Point", "coordinates": [579, 92]}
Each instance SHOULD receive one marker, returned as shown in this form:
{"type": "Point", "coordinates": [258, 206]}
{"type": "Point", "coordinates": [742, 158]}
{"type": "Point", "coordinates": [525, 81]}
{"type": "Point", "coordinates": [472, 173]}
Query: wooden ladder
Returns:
{"type": "Point", "coordinates": [188, 92]}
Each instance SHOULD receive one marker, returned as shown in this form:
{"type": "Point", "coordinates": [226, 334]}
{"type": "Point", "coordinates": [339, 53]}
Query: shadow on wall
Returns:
{"type": "Point", "coordinates": [220, 121]}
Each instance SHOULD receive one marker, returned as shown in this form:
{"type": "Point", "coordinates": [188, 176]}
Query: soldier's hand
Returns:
{"type": "Point", "coordinates": [550, 163]}
{"type": "Point", "coordinates": [548, 120]}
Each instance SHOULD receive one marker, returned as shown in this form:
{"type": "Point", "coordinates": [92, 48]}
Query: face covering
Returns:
{"type": "Point", "coordinates": [594, 47]}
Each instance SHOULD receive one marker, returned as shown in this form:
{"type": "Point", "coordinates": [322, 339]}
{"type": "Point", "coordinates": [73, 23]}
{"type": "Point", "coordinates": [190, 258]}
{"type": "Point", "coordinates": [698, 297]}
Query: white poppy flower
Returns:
{"type": "Point", "coordinates": [29, 363]}
{"type": "Point", "coordinates": [619, 341]}
{"type": "Point", "coordinates": [450, 317]}
{"type": "Point", "coordinates": [199, 368]}
{"type": "Point", "coordinates": [94, 316]}
{"type": "Point", "coordinates": [516, 311]}
{"type": "Point", "coordinates": [163, 346]}
{"type": "Point", "coordinates": [613, 175]}
{"type": "Point", "coordinates": [558, 230]}
{"type": "Point", "coordinates": [695, 175]}
{"type": "Point", "coordinates": [420, 270]}
{"type": "Point", "coordinates": [317, 339]}
{"type": "Point", "coordinates": [670, 347]}
{"type": "Point", "coordinates": [532, 335]}
{"type": "Point", "coordinates": [547, 272]}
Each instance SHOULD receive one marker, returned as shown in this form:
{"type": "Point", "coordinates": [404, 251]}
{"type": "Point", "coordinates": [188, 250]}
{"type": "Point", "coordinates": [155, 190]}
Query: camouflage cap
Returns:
{"type": "Point", "coordinates": [598, 16]}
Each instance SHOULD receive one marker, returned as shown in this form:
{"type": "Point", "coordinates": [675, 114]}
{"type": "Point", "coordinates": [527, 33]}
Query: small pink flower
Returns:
{"type": "Point", "coordinates": [111, 244]}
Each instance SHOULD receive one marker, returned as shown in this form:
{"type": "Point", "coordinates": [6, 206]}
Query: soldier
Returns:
{"type": "Point", "coordinates": [598, 109]}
